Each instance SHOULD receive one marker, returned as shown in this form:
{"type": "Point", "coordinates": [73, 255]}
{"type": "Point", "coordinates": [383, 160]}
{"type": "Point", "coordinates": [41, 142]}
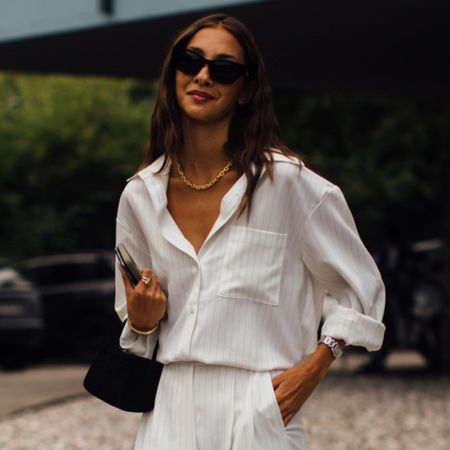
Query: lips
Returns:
{"type": "Point", "coordinates": [200, 94]}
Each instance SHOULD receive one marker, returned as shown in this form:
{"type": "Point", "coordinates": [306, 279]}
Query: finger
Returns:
{"type": "Point", "coordinates": [146, 272]}
{"type": "Point", "coordinates": [276, 382]}
{"type": "Point", "coordinates": [278, 396]}
{"type": "Point", "coordinates": [287, 418]}
{"type": "Point", "coordinates": [145, 275]}
{"type": "Point", "coordinates": [144, 284]}
{"type": "Point", "coordinates": [159, 292]}
{"type": "Point", "coordinates": [160, 300]}
{"type": "Point", "coordinates": [152, 288]}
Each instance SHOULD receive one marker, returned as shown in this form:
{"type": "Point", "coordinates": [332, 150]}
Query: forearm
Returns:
{"type": "Point", "coordinates": [321, 360]}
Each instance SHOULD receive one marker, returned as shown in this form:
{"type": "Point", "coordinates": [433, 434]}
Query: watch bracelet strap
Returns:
{"type": "Point", "coordinates": [334, 346]}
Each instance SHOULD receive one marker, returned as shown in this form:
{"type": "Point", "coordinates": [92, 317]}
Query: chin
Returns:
{"type": "Point", "coordinates": [206, 116]}
{"type": "Point", "coordinates": [211, 121]}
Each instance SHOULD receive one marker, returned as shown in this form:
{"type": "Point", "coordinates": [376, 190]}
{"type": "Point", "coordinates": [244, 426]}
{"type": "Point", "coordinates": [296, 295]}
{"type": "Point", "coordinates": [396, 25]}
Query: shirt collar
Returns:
{"type": "Point", "coordinates": [152, 169]}
{"type": "Point", "coordinates": [156, 165]}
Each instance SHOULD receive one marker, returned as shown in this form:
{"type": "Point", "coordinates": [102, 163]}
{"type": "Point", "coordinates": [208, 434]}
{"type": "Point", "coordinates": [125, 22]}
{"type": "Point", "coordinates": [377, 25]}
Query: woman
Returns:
{"type": "Point", "coordinates": [239, 241]}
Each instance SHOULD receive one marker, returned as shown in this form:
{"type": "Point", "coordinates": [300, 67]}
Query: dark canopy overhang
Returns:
{"type": "Point", "coordinates": [374, 46]}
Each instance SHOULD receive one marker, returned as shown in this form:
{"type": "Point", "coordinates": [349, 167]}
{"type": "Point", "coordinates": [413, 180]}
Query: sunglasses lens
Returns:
{"type": "Point", "coordinates": [188, 62]}
{"type": "Point", "coordinates": [221, 71]}
{"type": "Point", "coordinates": [226, 72]}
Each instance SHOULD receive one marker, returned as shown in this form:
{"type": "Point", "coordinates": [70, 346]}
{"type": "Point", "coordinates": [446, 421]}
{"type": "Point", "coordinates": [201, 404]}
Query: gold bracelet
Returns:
{"type": "Point", "coordinates": [145, 333]}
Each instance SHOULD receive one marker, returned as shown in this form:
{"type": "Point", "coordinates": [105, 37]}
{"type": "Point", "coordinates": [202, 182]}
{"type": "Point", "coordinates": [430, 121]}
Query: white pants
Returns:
{"type": "Point", "coordinates": [201, 407]}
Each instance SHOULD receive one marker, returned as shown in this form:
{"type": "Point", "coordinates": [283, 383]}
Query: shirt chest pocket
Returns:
{"type": "Point", "coordinates": [253, 265]}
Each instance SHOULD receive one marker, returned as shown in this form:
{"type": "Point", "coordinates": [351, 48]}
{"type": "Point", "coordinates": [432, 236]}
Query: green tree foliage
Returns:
{"type": "Point", "coordinates": [67, 146]}
{"type": "Point", "coordinates": [389, 155]}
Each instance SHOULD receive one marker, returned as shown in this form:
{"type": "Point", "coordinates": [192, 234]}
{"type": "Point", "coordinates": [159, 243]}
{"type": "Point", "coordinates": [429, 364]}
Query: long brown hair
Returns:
{"type": "Point", "coordinates": [253, 129]}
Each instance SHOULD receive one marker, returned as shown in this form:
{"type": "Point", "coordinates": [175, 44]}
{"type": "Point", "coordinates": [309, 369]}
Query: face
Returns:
{"type": "Point", "coordinates": [202, 99]}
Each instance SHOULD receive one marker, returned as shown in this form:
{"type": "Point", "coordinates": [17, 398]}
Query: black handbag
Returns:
{"type": "Point", "coordinates": [124, 380]}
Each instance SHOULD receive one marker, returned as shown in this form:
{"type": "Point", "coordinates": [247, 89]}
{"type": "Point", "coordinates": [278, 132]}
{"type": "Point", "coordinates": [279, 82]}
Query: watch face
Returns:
{"type": "Point", "coordinates": [333, 345]}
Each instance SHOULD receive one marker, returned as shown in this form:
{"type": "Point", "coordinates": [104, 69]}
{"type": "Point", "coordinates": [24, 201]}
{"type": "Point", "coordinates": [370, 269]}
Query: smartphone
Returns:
{"type": "Point", "coordinates": [132, 270]}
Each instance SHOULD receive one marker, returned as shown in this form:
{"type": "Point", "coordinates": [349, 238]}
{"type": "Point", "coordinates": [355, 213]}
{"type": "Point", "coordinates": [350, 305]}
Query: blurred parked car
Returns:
{"type": "Point", "coordinates": [77, 293]}
{"type": "Point", "coordinates": [417, 314]}
{"type": "Point", "coordinates": [21, 322]}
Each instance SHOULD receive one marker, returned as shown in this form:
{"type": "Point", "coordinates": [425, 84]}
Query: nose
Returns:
{"type": "Point", "coordinates": [203, 76]}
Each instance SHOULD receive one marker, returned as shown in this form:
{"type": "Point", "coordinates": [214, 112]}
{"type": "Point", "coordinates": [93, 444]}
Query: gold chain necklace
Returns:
{"type": "Point", "coordinates": [200, 187]}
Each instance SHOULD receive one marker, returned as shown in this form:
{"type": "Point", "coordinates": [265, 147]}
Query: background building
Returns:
{"type": "Point", "coordinates": [380, 46]}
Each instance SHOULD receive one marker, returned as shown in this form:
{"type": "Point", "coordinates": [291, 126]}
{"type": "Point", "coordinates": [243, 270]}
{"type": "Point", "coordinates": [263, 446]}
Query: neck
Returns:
{"type": "Point", "coordinates": [203, 155]}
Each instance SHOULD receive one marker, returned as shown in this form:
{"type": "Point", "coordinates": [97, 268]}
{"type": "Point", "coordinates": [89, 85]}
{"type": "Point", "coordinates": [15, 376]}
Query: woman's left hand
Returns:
{"type": "Point", "coordinates": [294, 386]}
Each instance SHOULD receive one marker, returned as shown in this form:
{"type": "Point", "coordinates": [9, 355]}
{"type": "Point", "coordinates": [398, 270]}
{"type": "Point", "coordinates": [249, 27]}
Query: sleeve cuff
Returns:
{"type": "Point", "coordinates": [354, 328]}
{"type": "Point", "coordinates": [137, 344]}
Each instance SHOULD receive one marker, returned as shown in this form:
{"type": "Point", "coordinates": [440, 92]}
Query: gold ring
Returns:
{"type": "Point", "coordinates": [146, 280]}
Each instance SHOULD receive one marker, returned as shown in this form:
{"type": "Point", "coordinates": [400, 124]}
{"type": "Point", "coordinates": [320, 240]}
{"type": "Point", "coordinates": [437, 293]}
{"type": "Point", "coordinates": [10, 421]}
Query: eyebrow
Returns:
{"type": "Point", "coordinates": [219, 56]}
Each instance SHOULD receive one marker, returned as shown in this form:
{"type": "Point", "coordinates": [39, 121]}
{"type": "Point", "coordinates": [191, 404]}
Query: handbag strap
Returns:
{"type": "Point", "coordinates": [155, 351]}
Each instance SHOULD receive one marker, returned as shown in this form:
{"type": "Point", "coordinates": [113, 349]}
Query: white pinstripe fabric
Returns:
{"type": "Point", "coordinates": [217, 408]}
{"type": "Point", "coordinates": [248, 303]}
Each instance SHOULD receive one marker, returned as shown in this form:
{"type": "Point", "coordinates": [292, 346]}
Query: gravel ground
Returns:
{"type": "Point", "coordinates": [347, 412]}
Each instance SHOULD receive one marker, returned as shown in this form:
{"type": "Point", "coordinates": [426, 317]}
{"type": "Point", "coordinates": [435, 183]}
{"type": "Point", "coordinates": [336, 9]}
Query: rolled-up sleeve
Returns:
{"type": "Point", "coordinates": [338, 260]}
{"type": "Point", "coordinates": [127, 232]}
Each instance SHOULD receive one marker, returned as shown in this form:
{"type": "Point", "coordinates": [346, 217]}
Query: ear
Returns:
{"type": "Point", "coordinates": [247, 93]}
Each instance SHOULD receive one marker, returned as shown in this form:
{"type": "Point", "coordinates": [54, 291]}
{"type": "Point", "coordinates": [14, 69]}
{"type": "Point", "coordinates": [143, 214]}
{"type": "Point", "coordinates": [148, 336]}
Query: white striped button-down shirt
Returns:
{"type": "Point", "coordinates": [253, 296]}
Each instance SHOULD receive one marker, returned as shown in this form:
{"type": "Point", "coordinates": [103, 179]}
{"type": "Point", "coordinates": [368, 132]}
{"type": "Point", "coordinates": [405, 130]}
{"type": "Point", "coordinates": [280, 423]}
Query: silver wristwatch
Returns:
{"type": "Point", "coordinates": [333, 345]}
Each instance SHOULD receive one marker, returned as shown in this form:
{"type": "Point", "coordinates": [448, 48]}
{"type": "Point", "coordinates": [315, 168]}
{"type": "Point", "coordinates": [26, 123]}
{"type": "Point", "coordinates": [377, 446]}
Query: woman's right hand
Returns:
{"type": "Point", "coordinates": [146, 304]}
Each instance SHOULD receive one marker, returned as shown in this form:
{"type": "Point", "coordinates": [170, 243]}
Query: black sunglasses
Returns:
{"type": "Point", "coordinates": [220, 70]}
